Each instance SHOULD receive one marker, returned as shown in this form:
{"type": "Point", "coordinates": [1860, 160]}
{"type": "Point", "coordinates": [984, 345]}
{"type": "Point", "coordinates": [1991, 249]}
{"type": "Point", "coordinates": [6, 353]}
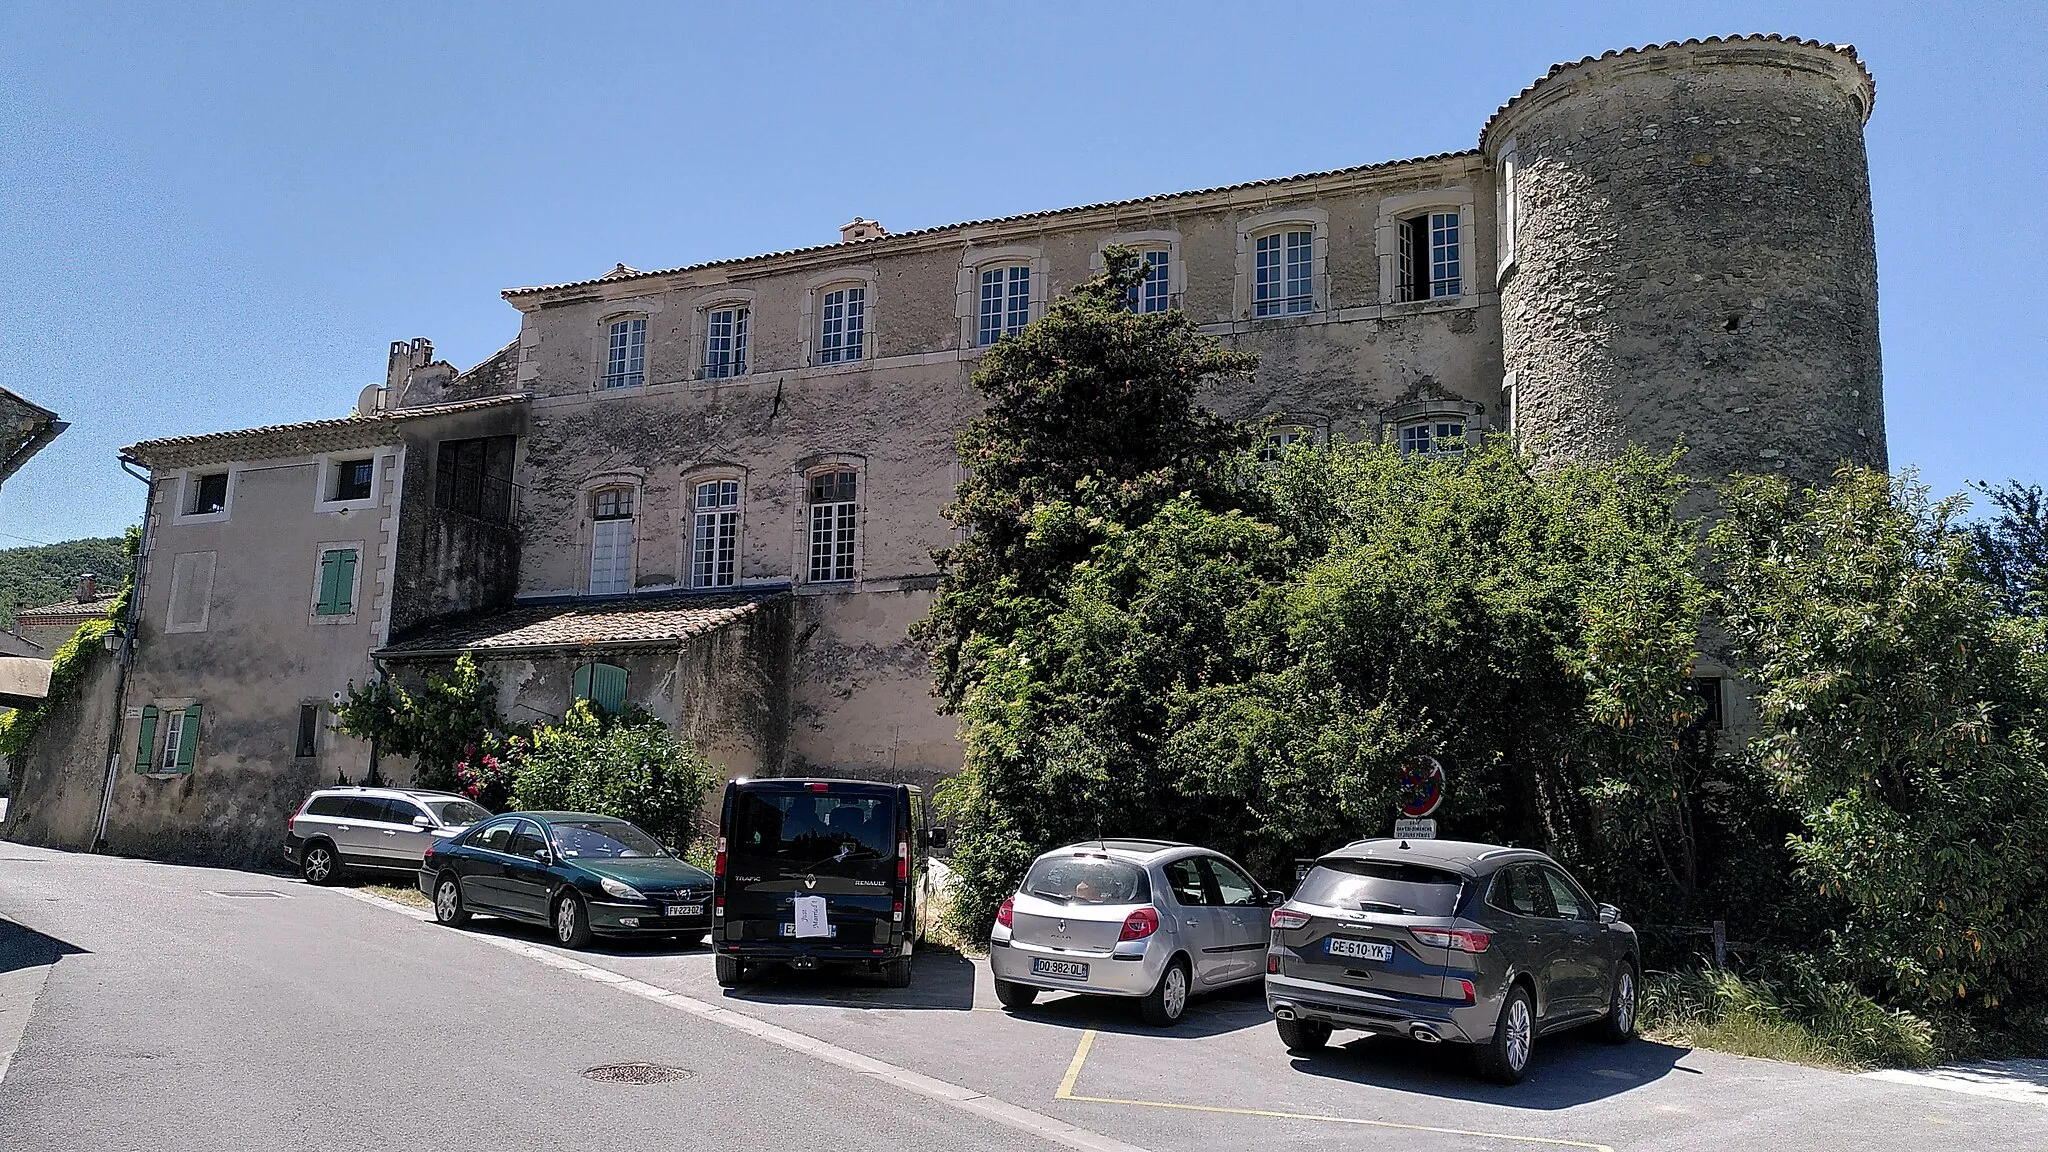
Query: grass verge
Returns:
{"type": "Point", "coordinates": [409, 896]}
{"type": "Point", "coordinates": [1800, 1018]}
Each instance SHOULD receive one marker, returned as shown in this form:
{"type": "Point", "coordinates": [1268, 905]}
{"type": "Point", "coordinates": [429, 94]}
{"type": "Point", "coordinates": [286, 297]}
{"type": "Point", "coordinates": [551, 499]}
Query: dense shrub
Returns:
{"type": "Point", "coordinates": [631, 767]}
{"type": "Point", "coordinates": [1787, 1012]}
{"type": "Point", "coordinates": [439, 723]}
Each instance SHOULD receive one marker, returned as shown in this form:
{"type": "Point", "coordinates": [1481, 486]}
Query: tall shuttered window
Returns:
{"type": "Point", "coordinates": [842, 324]}
{"type": "Point", "coordinates": [474, 477]}
{"type": "Point", "coordinates": [611, 542]}
{"type": "Point", "coordinates": [715, 535]}
{"type": "Point", "coordinates": [168, 739]}
{"type": "Point", "coordinates": [604, 685]}
{"type": "Point", "coordinates": [1432, 257]}
{"type": "Point", "coordinates": [835, 518]}
{"type": "Point", "coordinates": [337, 592]}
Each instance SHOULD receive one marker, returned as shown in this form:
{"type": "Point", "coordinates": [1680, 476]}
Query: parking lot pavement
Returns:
{"type": "Point", "coordinates": [1222, 1080]}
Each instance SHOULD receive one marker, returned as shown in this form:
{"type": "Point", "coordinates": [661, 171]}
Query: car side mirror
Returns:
{"type": "Point", "coordinates": [1275, 898]}
{"type": "Point", "coordinates": [1609, 913]}
{"type": "Point", "coordinates": [544, 856]}
{"type": "Point", "coordinates": [423, 821]}
{"type": "Point", "coordinates": [935, 837]}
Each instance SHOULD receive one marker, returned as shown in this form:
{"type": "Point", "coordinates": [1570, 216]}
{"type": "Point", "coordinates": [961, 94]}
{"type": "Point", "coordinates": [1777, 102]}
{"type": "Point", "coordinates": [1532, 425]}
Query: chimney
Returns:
{"type": "Point", "coordinates": [860, 228]}
{"type": "Point", "coordinates": [88, 586]}
{"type": "Point", "coordinates": [407, 355]}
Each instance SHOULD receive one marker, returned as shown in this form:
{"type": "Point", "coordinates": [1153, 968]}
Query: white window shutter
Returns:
{"type": "Point", "coordinates": [611, 557]}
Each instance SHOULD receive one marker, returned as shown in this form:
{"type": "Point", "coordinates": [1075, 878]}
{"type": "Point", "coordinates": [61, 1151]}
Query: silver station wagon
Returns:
{"type": "Point", "coordinates": [1149, 919]}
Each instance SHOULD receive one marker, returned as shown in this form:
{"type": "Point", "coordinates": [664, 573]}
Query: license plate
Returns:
{"type": "Point", "coordinates": [790, 930]}
{"type": "Point", "coordinates": [1060, 969]}
{"type": "Point", "coordinates": [685, 910]}
{"type": "Point", "coordinates": [1362, 949]}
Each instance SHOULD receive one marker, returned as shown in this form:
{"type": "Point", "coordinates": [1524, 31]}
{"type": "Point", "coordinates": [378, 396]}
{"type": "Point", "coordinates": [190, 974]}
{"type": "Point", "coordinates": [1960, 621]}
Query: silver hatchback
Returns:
{"type": "Point", "coordinates": [1147, 919]}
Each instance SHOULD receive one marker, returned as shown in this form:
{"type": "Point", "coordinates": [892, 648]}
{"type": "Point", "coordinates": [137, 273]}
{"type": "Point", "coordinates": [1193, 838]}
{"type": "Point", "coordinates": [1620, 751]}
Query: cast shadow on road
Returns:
{"type": "Point", "coordinates": [940, 981]}
{"type": "Point", "coordinates": [27, 948]}
{"type": "Point", "coordinates": [1571, 1068]}
{"type": "Point", "coordinates": [1213, 1014]}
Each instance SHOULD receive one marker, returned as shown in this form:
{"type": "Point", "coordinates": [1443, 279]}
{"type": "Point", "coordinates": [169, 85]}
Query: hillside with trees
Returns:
{"type": "Point", "coordinates": [46, 573]}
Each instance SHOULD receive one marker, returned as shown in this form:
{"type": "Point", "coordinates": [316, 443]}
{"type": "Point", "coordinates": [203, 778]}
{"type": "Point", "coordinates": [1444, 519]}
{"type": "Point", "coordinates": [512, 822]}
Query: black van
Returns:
{"type": "Point", "coordinates": [855, 845]}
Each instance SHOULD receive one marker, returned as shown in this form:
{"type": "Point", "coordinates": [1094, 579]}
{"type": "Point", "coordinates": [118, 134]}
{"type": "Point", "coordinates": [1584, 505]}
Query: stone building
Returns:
{"type": "Point", "coordinates": [726, 479]}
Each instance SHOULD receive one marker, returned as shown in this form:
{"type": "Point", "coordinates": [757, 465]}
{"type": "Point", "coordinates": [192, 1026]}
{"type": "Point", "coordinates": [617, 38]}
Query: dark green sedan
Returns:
{"type": "Point", "coordinates": [581, 875]}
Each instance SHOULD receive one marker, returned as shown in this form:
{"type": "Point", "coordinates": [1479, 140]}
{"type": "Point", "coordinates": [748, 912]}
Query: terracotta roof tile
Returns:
{"type": "Point", "coordinates": [865, 245]}
{"type": "Point", "coordinates": [97, 606]}
{"type": "Point", "coordinates": [637, 621]}
{"type": "Point", "coordinates": [351, 427]}
{"type": "Point", "coordinates": [1848, 50]}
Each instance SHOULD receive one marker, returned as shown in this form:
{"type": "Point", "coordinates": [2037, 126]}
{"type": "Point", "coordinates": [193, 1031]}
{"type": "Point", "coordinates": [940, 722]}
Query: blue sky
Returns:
{"type": "Point", "coordinates": [218, 216]}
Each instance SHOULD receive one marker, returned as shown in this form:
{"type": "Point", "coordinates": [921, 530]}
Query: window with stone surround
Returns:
{"type": "Point", "coordinates": [842, 324]}
{"type": "Point", "coordinates": [611, 541]}
{"type": "Point", "coordinates": [1431, 256]}
{"type": "Point", "coordinates": [715, 533]}
{"type": "Point", "coordinates": [1283, 270]}
{"type": "Point", "coordinates": [1155, 294]}
{"type": "Point", "coordinates": [1278, 440]}
{"type": "Point", "coordinates": [206, 494]}
{"type": "Point", "coordinates": [725, 342]}
{"type": "Point", "coordinates": [625, 363]}
{"type": "Point", "coordinates": [834, 523]}
{"type": "Point", "coordinates": [1441, 436]}
{"type": "Point", "coordinates": [1005, 302]}
{"type": "Point", "coordinates": [1507, 199]}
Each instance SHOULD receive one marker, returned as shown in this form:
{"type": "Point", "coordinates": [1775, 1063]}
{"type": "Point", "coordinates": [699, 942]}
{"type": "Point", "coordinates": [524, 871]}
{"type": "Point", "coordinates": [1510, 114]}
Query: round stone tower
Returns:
{"type": "Point", "coordinates": [1687, 253]}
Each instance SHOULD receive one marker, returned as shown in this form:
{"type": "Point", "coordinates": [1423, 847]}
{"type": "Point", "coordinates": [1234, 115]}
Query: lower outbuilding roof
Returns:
{"type": "Point", "coordinates": [658, 621]}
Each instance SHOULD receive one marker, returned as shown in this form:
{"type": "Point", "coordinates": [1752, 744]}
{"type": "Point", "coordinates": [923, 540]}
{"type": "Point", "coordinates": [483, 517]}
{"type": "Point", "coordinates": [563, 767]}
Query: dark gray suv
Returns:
{"type": "Point", "coordinates": [1444, 940]}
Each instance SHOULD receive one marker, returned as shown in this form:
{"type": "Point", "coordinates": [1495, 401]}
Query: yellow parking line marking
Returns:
{"type": "Point", "coordinates": [1066, 1092]}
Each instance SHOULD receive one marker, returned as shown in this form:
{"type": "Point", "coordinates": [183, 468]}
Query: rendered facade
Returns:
{"type": "Point", "coordinates": [722, 483]}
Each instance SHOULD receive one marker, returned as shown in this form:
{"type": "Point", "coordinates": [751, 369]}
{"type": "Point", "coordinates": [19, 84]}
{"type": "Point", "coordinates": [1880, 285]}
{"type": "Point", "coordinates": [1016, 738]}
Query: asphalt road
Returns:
{"type": "Point", "coordinates": [179, 1015]}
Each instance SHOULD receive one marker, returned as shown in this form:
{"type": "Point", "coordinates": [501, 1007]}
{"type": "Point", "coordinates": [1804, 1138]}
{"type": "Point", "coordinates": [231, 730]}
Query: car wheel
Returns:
{"type": "Point", "coordinates": [1505, 1058]}
{"type": "Point", "coordinates": [896, 973]}
{"type": "Point", "coordinates": [319, 863]}
{"type": "Point", "coordinates": [1620, 1025]}
{"type": "Point", "coordinates": [1015, 995]}
{"type": "Point", "coordinates": [448, 906]}
{"type": "Point", "coordinates": [730, 970]}
{"type": "Point", "coordinates": [1303, 1035]}
{"type": "Point", "coordinates": [1168, 1000]}
{"type": "Point", "coordinates": [572, 922]}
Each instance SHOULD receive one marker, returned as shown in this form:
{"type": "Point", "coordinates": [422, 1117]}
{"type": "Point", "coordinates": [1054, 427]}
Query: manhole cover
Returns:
{"type": "Point", "coordinates": [637, 1073]}
{"type": "Point", "coordinates": [248, 894]}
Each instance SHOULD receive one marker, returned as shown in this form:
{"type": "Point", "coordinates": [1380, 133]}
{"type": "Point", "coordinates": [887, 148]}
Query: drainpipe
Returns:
{"type": "Point", "coordinates": [125, 659]}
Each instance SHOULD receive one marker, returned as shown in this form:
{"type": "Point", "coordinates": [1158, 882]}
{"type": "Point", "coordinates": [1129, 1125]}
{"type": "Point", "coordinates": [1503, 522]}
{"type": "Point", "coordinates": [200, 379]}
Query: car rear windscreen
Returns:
{"type": "Point", "coordinates": [850, 833]}
{"type": "Point", "coordinates": [1372, 886]}
{"type": "Point", "coordinates": [1087, 880]}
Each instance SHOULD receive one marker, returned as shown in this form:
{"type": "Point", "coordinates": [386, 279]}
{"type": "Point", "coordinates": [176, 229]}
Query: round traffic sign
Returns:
{"type": "Point", "coordinates": [1422, 787]}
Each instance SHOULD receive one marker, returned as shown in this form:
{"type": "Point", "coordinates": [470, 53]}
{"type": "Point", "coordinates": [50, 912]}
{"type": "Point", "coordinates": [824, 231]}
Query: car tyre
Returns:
{"type": "Point", "coordinates": [449, 907]}
{"type": "Point", "coordinates": [1168, 1001]}
{"type": "Point", "coordinates": [1015, 996]}
{"type": "Point", "coordinates": [572, 922]}
{"type": "Point", "coordinates": [1303, 1035]}
{"type": "Point", "coordinates": [896, 973]}
{"type": "Point", "coordinates": [729, 970]}
{"type": "Point", "coordinates": [319, 863]}
{"type": "Point", "coordinates": [1505, 1059]}
{"type": "Point", "coordinates": [1619, 1025]}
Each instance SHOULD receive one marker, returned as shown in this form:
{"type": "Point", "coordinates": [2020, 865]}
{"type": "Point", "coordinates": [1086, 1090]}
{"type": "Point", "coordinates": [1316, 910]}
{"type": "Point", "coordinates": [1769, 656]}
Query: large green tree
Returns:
{"type": "Point", "coordinates": [1903, 708]}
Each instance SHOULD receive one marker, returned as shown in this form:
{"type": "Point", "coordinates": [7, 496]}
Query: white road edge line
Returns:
{"type": "Point", "coordinates": [965, 1099]}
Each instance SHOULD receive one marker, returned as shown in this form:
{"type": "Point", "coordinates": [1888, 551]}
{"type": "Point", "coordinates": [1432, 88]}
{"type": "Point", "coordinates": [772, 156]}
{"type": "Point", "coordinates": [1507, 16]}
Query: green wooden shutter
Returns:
{"type": "Point", "coordinates": [329, 566]}
{"type": "Point", "coordinates": [188, 739]}
{"type": "Point", "coordinates": [608, 687]}
{"type": "Point", "coordinates": [580, 690]}
{"type": "Point", "coordinates": [345, 582]}
{"type": "Point", "coordinates": [145, 741]}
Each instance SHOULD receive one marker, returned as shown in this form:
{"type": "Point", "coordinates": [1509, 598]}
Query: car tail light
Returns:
{"type": "Point", "coordinates": [718, 860]}
{"type": "Point", "coordinates": [903, 859]}
{"type": "Point", "coordinates": [1471, 996]}
{"type": "Point", "coordinates": [1142, 922]}
{"type": "Point", "coordinates": [1004, 914]}
{"type": "Point", "coordinates": [820, 787]}
{"type": "Point", "coordinates": [1456, 939]}
{"type": "Point", "coordinates": [898, 917]}
{"type": "Point", "coordinates": [1284, 919]}
{"type": "Point", "coordinates": [718, 906]}
{"type": "Point", "coordinates": [1272, 963]}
